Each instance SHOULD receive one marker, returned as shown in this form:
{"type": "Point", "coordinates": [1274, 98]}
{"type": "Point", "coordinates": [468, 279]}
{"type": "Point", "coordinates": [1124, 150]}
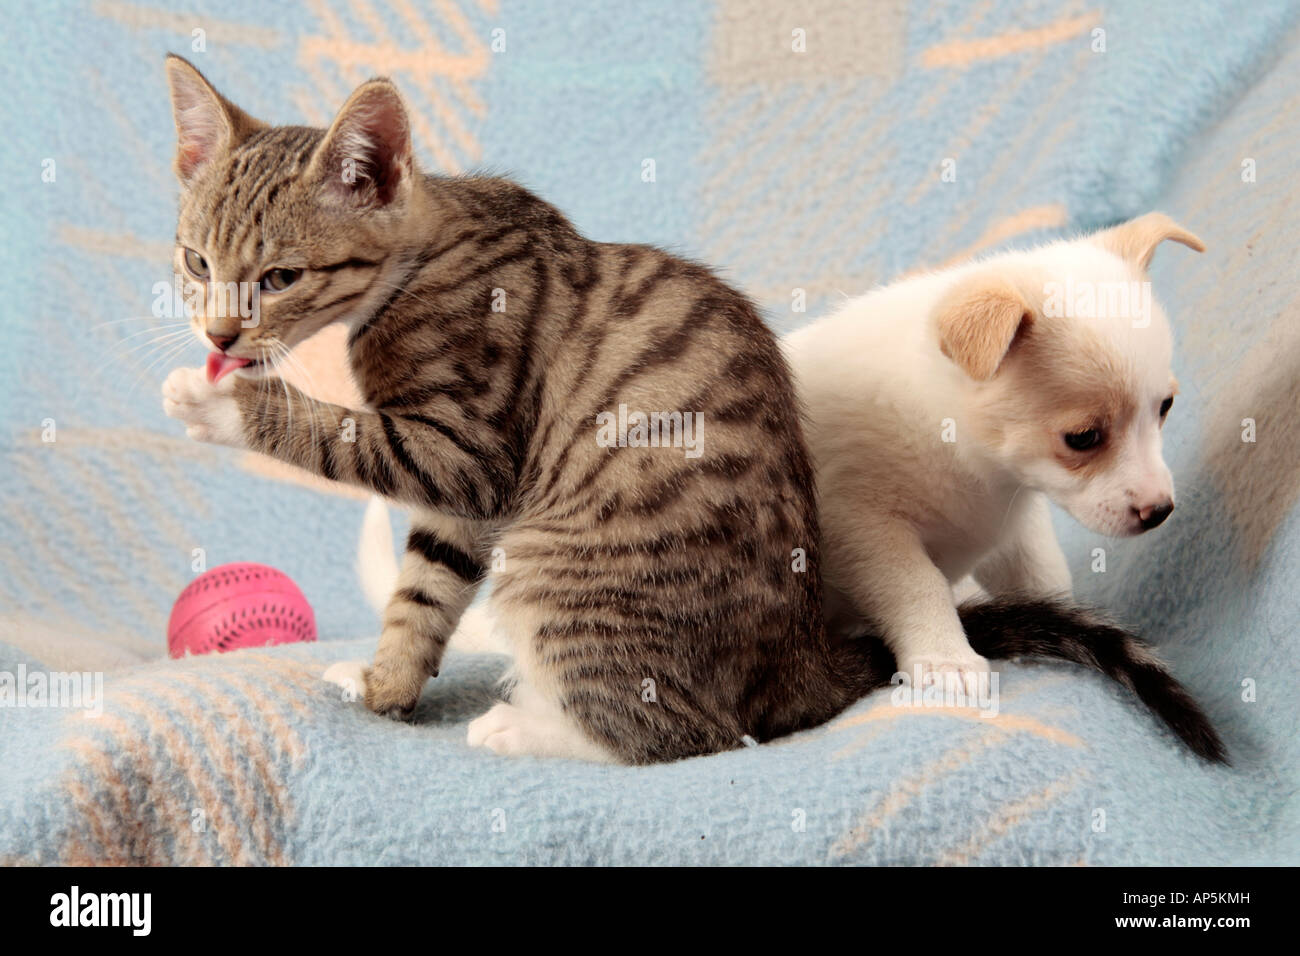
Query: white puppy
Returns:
{"type": "Point", "coordinates": [946, 409]}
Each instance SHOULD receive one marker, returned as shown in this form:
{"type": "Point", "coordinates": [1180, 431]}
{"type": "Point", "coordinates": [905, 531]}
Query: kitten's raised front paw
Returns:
{"type": "Point", "coordinates": [210, 412]}
{"type": "Point", "coordinates": [956, 670]}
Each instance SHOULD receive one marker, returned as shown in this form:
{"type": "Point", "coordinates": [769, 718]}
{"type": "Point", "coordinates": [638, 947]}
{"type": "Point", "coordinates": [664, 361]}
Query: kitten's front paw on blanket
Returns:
{"type": "Point", "coordinates": [210, 412]}
{"type": "Point", "coordinates": [392, 693]}
{"type": "Point", "coordinates": [359, 683]}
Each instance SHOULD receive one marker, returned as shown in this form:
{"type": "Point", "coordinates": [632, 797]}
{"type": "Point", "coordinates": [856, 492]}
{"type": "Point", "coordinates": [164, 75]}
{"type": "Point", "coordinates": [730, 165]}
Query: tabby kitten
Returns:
{"type": "Point", "coordinates": [661, 603]}
{"type": "Point", "coordinates": [651, 595]}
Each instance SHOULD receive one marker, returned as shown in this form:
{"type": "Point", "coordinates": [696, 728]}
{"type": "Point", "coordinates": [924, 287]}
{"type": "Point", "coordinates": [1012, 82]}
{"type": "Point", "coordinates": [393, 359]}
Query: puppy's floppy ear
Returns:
{"type": "Point", "coordinates": [977, 320]}
{"type": "Point", "coordinates": [207, 124]}
{"type": "Point", "coordinates": [1135, 241]}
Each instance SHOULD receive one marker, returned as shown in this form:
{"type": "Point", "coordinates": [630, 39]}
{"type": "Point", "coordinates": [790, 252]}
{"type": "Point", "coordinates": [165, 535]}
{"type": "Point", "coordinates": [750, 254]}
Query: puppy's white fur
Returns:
{"type": "Point", "coordinates": [938, 409]}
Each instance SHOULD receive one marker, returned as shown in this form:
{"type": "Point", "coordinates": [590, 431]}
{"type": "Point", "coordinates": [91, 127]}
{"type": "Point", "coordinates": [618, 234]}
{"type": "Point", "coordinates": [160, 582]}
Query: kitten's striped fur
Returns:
{"type": "Point", "coordinates": [660, 606]}
{"type": "Point", "coordinates": [623, 566]}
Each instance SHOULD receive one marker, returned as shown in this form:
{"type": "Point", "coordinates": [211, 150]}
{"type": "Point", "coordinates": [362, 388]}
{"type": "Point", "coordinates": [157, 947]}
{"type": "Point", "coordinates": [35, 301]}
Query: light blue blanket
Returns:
{"type": "Point", "coordinates": [824, 148]}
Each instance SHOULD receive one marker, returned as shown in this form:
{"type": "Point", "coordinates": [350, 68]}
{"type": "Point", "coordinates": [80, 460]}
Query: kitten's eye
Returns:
{"type": "Point", "coordinates": [277, 280]}
{"type": "Point", "coordinates": [196, 264]}
{"type": "Point", "coordinates": [1082, 441]}
{"type": "Point", "coordinates": [1167, 404]}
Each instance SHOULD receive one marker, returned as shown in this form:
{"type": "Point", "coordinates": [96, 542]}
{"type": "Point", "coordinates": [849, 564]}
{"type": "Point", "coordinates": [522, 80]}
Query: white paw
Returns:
{"type": "Point", "coordinates": [960, 669]}
{"type": "Point", "coordinates": [210, 412]}
{"type": "Point", "coordinates": [349, 675]}
{"type": "Point", "coordinates": [502, 730]}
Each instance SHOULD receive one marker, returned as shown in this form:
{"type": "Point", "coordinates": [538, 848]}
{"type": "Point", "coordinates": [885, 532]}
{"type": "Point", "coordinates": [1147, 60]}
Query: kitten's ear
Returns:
{"type": "Point", "coordinates": [366, 158]}
{"type": "Point", "coordinates": [207, 124]}
{"type": "Point", "coordinates": [1135, 241]}
{"type": "Point", "coordinates": [977, 320]}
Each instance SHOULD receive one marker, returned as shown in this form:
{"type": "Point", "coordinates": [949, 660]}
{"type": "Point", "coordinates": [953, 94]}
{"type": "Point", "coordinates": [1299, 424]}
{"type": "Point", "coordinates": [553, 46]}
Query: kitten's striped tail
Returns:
{"type": "Point", "coordinates": [1052, 629]}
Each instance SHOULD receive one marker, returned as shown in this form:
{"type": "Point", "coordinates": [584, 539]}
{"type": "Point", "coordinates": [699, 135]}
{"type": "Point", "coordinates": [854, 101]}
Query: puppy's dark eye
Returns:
{"type": "Point", "coordinates": [1082, 441]}
{"type": "Point", "coordinates": [1167, 404]}
{"type": "Point", "coordinates": [196, 264]}
{"type": "Point", "coordinates": [277, 280]}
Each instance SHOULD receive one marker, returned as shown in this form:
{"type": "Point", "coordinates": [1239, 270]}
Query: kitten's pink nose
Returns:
{"type": "Point", "coordinates": [222, 342]}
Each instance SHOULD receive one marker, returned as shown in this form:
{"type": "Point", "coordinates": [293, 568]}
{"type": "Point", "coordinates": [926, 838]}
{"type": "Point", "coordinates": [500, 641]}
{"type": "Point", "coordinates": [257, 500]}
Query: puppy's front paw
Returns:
{"type": "Point", "coordinates": [959, 669]}
{"type": "Point", "coordinates": [210, 412]}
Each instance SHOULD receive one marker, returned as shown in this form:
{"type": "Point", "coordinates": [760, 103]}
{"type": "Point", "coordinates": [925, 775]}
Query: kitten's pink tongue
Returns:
{"type": "Point", "coordinates": [220, 365]}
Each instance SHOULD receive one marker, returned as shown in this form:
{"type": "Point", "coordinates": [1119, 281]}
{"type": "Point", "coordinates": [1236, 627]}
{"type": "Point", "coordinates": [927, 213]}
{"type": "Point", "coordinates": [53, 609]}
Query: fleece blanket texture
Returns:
{"type": "Point", "coordinates": [809, 151]}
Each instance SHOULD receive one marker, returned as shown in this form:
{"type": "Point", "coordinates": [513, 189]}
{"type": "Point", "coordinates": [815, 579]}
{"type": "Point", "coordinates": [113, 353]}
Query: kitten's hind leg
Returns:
{"type": "Point", "coordinates": [440, 573]}
{"type": "Point", "coordinates": [530, 726]}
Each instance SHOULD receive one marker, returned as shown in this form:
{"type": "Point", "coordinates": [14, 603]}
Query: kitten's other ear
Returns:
{"type": "Point", "coordinates": [1135, 241]}
{"type": "Point", "coordinates": [207, 124]}
{"type": "Point", "coordinates": [366, 158]}
{"type": "Point", "coordinates": [977, 320]}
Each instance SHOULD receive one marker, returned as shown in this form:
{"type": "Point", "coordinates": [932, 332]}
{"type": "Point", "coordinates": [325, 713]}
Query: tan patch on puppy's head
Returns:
{"type": "Point", "coordinates": [1135, 241]}
{"type": "Point", "coordinates": [978, 320]}
{"type": "Point", "coordinates": [1064, 379]}
{"type": "Point", "coordinates": [1073, 415]}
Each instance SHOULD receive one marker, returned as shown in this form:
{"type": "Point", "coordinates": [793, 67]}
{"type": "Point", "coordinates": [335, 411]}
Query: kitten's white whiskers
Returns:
{"type": "Point", "coordinates": [141, 318]}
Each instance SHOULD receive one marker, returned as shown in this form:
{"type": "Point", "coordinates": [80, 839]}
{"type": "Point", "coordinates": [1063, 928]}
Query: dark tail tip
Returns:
{"type": "Point", "coordinates": [1171, 702]}
{"type": "Point", "coordinates": [1054, 629]}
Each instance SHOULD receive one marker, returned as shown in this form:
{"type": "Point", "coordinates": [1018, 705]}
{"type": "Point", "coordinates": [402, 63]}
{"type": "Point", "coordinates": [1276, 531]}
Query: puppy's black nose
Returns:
{"type": "Point", "coordinates": [222, 342]}
{"type": "Point", "coordinates": [1154, 516]}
